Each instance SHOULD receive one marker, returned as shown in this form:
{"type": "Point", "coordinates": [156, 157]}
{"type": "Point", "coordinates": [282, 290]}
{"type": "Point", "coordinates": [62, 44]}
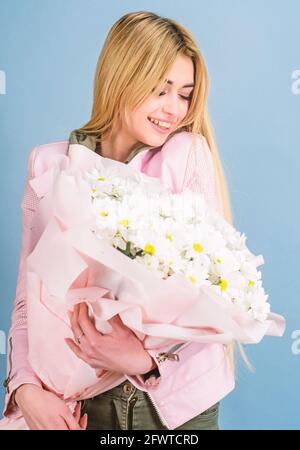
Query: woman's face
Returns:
{"type": "Point", "coordinates": [169, 104]}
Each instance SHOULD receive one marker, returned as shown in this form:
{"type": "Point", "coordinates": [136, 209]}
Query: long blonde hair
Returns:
{"type": "Point", "coordinates": [139, 50]}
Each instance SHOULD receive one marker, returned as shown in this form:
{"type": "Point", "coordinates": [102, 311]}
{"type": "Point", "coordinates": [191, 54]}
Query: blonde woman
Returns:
{"type": "Point", "coordinates": [150, 98]}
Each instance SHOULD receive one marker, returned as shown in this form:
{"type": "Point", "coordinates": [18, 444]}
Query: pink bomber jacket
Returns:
{"type": "Point", "coordinates": [193, 376]}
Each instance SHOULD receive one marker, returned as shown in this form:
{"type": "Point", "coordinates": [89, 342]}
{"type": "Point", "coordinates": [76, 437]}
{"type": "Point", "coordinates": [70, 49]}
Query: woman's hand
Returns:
{"type": "Point", "coordinates": [119, 351]}
{"type": "Point", "coordinates": [43, 410]}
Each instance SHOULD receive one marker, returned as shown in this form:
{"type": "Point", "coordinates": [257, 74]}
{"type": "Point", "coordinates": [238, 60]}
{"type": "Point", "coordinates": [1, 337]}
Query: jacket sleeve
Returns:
{"type": "Point", "coordinates": [19, 370]}
{"type": "Point", "coordinates": [200, 178]}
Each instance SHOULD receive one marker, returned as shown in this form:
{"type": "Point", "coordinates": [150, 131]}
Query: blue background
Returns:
{"type": "Point", "coordinates": [49, 50]}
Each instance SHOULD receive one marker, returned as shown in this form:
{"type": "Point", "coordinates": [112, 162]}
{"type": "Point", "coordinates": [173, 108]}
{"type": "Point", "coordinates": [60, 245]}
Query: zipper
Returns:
{"type": "Point", "coordinates": [132, 402]}
{"type": "Point", "coordinates": [8, 379]}
{"type": "Point", "coordinates": [171, 356]}
{"type": "Point", "coordinates": [163, 357]}
{"type": "Point", "coordinates": [181, 345]}
{"type": "Point", "coordinates": [162, 419]}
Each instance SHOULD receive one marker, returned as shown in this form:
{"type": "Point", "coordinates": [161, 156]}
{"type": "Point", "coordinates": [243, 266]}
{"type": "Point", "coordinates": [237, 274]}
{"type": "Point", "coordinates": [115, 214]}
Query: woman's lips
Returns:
{"type": "Point", "coordinates": [157, 128]}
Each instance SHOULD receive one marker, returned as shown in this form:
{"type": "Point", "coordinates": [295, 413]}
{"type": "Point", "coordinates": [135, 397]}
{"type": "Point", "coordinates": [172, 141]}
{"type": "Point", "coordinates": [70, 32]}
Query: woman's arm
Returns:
{"type": "Point", "coordinates": [19, 370]}
{"type": "Point", "coordinates": [42, 410]}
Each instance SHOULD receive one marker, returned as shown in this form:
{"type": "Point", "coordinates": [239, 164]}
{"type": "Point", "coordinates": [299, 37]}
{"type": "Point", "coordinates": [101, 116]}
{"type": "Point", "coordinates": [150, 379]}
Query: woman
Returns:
{"type": "Point", "coordinates": [151, 85]}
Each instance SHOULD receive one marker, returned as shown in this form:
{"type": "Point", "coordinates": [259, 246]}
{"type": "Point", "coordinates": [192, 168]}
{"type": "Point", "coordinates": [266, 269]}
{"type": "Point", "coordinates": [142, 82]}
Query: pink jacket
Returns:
{"type": "Point", "coordinates": [201, 374]}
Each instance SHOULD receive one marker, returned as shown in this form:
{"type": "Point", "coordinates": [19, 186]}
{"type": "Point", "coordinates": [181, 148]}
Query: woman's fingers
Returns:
{"type": "Point", "coordinates": [76, 412]}
{"type": "Point", "coordinates": [118, 326]}
{"type": "Point", "coordinates": [83, 421]}
{"type": "Point", "coordinates": [82, 325]}
{"type": "Point", "coordinates": [77, 331]}
{"type": "Point", "coordinates": [71, 421]}
{"type": "Point", "coordinates": [86, 324]}
{"type": "Point", "coordinates": [152, 381]}
{"type": "Point", "coordinates": [117, 321]}
{"type": "Point", "coordinates": [75, 348]}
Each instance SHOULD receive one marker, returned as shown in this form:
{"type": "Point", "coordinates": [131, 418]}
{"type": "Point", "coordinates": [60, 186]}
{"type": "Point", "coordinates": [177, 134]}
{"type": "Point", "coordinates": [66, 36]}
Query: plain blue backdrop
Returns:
{"type": "Point", "coordinates": [48, 53]}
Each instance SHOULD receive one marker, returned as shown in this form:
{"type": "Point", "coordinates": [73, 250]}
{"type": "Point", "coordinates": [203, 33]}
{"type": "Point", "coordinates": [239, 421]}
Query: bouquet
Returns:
{"type": "Point", "coordinates": [177, 233]}
{"type": "Point", "coordinates": [172, 268]}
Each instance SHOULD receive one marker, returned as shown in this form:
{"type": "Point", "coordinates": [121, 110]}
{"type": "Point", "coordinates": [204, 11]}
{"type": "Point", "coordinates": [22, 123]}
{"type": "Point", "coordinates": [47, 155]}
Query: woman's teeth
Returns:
{"type": "Point", "coordinates": [163, 125]}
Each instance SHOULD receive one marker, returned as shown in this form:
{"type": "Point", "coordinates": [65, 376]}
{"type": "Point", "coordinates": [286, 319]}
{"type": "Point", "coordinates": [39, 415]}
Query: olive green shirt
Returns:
{"type": "Point", "coordinates": [77, 137]}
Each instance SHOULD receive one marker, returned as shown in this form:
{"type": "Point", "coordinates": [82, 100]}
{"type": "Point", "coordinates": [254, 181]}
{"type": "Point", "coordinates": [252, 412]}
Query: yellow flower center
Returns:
{"type": "Point", "coordinates": [93, 190]}
{"type": "Point", "coordinates": [169, 236]}
{"type": "Point", "coordinates": [218, 260]}
{"type": "Point", "coordinates": [198, 247]}
{"type": "Point", "coordinates": [101, 179]}
{"type": "Point", "coordinates": [192, 278]}
{"type": "Point", "coordinates": [103, 213]}
{"type": "Point", "coordinates": [124, 222]}
{"type": "Point", "coordinates": [251, 283]}
{"type": "Point", "coordinates": [223, 284]}
{"type": "Point", "coordinates": [150, 249]}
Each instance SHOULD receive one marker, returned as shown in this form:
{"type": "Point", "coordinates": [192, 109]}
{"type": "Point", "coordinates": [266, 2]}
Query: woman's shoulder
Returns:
{"type": "Point", "coordinates": [42, 156]}
{"type": "Point", "coordinates": [184, 141]}
{"type": "Point", "coordinates": [185, 148]}
{"type": "Point", "coordinates": [180, 156]}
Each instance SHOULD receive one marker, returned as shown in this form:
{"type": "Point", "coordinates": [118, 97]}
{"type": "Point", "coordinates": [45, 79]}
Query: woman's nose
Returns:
{"type": "Point", "coordinates": [171, 106]}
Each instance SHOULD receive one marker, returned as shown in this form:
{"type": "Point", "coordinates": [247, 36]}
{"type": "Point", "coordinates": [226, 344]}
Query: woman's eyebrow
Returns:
{"type": "Point", "coordinates": [186, 85]}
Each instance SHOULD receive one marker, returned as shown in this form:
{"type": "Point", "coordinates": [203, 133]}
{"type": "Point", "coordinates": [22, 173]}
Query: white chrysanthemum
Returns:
{"type": "Point", "coordinates": [224, 261]}
{"type": "Point", "coordinates": [150, 261]}
{"type": "Point", "coordinates": [255, 304]}
{"type": "Point", "coordinates": [176, 233]}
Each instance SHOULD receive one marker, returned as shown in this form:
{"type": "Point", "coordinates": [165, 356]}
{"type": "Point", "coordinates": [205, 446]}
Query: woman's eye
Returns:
{"type": "Point", "coordinates": [182, 96]}
{"type": "Point", "coordinates": [187, 98]}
